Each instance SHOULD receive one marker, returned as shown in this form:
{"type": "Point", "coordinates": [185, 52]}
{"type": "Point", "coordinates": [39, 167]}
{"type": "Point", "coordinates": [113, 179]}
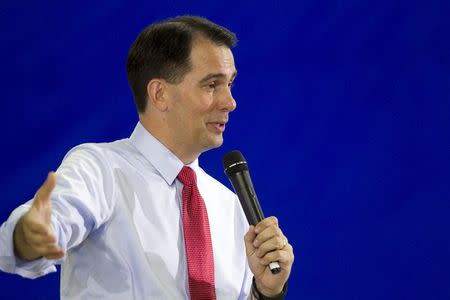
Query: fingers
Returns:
{"type": "Point", "coordinates": [33, 235]}
{"type": "Point", "coordinates": [37, 238]}
{"type": "Point", "coordinates": [43, 194]}
{"type": "Point", "coordinates": [56, 255]}
{"type": "Point", "coordinates": [266, 223]}
{"type": "Point", "coordinates": [42, 241]}
{"type": "Point", "coordinates": [268, 233]}
{"type": "Point", "coordinates": [269, 237]}
{"type": "Point", "coordinates": [275, 243]}
{"type": "Point", "coordinates": [35, 224]}
{"type": "Point", "coordinates": [267, 241]}
{"type": "Point", "coordinates": [48, 249]}
{"type": "Point", "coordinates": [283, 257]}
{"type": "Point", "coordinates": [46, 246]}
{"type": "Point", "coordinates": [51, 251]}
{"type": "Point", "coordinates": [248, 239]}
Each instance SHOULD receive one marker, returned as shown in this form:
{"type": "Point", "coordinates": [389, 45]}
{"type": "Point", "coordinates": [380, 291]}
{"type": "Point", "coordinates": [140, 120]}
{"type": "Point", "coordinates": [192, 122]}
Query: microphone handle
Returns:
{"type": "Point", "coordinates": [243, 187]}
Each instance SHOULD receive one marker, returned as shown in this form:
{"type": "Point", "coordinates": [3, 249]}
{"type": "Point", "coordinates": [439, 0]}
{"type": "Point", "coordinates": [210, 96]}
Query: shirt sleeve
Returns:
{"type": "Point", "coordinates": [246, 285]}
{"type": "Point", "coordinates": [82, 201]}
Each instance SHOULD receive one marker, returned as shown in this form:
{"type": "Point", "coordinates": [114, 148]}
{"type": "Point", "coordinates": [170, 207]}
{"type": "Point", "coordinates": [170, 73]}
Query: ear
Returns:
{"type": "Point", "coordinates": [156, 90]}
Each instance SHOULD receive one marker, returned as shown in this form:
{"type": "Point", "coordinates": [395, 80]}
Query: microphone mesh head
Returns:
{"type": "Point", "coordinates": [234, 162]}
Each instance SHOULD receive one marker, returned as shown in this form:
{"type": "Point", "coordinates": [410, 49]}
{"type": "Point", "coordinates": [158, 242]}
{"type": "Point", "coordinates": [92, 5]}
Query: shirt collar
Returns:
{"type": "Point", "coordinates": [165, 162]}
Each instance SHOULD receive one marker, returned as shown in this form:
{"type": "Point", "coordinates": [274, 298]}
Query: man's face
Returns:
{"type": "Point", "coordinates": [199, 105]}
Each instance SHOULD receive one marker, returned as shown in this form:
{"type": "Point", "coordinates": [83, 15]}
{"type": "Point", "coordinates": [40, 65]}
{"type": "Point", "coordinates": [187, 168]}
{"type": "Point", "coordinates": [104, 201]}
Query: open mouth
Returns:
{"type": "Point", "coordinates": [218, 127]}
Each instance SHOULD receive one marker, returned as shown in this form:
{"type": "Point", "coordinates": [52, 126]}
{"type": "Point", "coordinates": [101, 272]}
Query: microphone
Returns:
{"type": "Point", "coordinates": [236, 169]}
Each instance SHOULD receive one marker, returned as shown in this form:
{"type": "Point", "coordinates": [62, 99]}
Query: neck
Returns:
{"type": "Point", "coordinates": [162, 134]}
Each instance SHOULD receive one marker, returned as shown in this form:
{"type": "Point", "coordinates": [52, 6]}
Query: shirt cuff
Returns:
{"type": "Point", "coordinates": [258, 296]}
{"type": "Point", "coordinates": [9, 262]}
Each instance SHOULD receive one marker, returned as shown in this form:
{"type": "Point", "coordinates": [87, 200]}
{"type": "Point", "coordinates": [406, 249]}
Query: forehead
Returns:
{"type": "Point", "coordinates": [207, 57]}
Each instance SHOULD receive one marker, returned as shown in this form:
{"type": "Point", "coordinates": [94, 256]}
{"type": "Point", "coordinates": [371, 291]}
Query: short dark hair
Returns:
{"type": "Point", "coordinates": [163, 49]}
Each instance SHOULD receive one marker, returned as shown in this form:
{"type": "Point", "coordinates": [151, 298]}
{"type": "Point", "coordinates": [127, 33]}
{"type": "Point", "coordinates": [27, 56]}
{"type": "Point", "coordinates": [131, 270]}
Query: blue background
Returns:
{"type": "Point", "coordinates": [343, 115]}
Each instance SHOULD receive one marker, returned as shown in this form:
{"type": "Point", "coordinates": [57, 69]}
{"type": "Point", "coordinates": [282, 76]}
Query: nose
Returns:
{"type": "Point", "coordinates": [228, 103]}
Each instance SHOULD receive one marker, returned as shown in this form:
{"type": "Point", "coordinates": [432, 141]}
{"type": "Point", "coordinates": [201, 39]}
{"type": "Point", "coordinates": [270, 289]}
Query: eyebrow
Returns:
{"type": "Point", "coordinates": [216, 75]}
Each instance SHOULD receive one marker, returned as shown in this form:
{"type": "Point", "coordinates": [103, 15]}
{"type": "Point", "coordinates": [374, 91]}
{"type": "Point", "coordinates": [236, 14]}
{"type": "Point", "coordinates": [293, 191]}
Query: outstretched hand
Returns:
{"type": "Point", "coordinates": [33, 235]}
{"type": "Point", "coordinates": [266, 243]}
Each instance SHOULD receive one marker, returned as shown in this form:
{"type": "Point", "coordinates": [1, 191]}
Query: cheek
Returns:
{"type": "Point", "coordinates": [201, 107]}
{"type": "Point", "coordinates": [193, 108]}
{"type": "Point", "coordinates": [202, 100]}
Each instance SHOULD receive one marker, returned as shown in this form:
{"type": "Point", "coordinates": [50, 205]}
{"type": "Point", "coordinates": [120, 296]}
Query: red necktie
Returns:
{"type": "Point", "coordinates": [197, 239]}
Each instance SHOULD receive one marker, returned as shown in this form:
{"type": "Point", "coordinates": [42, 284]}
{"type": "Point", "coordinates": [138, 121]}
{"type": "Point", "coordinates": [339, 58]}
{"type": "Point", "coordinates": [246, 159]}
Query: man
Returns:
{"type": "Point", "coordinates": [138, 218]}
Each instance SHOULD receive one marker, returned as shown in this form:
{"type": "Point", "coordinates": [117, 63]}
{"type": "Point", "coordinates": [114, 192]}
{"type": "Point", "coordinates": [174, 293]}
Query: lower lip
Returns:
{"type": "Point", "coordinates": [216, 127]}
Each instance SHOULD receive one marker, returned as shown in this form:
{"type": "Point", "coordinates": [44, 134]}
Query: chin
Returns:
{"type": "Point", "coordinates": [214, 143]}
{"type": "Point", "coordinates": [218, 141]}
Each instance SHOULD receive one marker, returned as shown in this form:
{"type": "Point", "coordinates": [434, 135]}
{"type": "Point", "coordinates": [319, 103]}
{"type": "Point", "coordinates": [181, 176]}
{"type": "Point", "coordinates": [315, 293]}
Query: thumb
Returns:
{"type": "Point", "coordinates": [44, 192]}
{"type": "Point", "coordinates": [248, 239]}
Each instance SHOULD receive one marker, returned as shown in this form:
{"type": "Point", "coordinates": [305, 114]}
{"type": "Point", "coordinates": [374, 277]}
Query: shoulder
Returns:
{"type": "Point", "coordinates": [94, 161]}
{"type": "Point", "coordinates": [99, 153]}
{"type": "Point", "coordinates": [90, 167]}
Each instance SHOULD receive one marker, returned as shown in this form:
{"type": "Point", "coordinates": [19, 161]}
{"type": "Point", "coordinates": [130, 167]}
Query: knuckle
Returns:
{"type": "Point", "coordinates": [279, 242]}
{"type": "Point", "coordinates": [275, 255]}
{"type": "Point", "coordinates": [263, 246]}
{"type": "Point", "coordinates": [266, 257]}
{"type": "Point", "coordinates": [248, 237]}
{"type": "Point", "coordinates": [278, 231]}
{"type": "Point", "coordinates": [273, 228]}
{"type": "Point", "coordinates": [29, 236]}
{"type": "Point", "coordinates": [32, 224]}
{"type": "Point", "coordinates": [259, 252]}
{"type": "Point", "coordinates": [267, 221]}
{"type": "Point", "coordinates": [264, 249]}
{"type": "Point", "coordinates": [38, 193]}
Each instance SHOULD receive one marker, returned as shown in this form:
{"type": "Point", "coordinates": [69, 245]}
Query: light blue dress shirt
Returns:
{"type": "Point", "coordinates": [117, 214]}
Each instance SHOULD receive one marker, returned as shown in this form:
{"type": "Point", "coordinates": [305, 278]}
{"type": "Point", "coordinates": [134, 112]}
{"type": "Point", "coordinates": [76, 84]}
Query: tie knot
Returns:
{"type": "Point", "coordinates": [187, 176]}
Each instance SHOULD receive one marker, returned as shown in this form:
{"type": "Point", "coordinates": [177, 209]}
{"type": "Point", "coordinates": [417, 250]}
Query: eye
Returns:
{"type": "Point", "coordinates": [212, 85]}
{"type": "Point", "coordinates": [231, 84]}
